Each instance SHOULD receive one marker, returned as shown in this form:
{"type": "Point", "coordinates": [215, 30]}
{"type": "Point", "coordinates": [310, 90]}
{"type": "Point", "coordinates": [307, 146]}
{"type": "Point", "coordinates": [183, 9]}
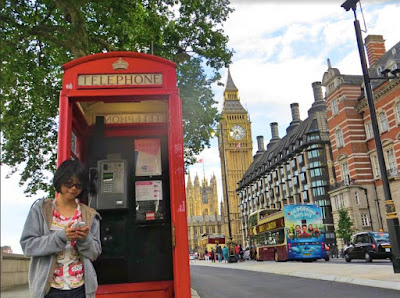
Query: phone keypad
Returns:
{"type": "Point", "coordinates": [107, 187]}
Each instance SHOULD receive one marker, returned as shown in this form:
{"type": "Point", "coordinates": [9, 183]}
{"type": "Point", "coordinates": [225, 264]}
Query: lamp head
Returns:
{"type": "Point", "coordinates": [350, 4]}
{"type": "Point", "coordinates": [385, 72]}
{"type": "Point", "coordinates": [396, 69]}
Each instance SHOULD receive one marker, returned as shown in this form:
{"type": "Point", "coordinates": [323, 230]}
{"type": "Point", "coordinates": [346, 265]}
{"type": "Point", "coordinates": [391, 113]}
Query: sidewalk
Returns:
{"type": "Point", "coordinates": [379, 276]}
{"type": "Point", "coordinates": [23, 292]}
{"type": "Point", "coordinates": [371, 275]}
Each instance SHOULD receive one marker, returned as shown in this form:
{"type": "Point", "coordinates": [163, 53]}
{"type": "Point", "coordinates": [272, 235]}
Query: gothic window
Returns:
{"type": "Point", "coordinates": [204, 197]}
{"type": "Point", "coordinates": [383, 122]}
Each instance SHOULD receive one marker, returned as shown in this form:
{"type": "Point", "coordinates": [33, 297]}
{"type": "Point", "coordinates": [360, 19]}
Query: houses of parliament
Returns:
{"type": "Point", "coordinates": [202, 209]}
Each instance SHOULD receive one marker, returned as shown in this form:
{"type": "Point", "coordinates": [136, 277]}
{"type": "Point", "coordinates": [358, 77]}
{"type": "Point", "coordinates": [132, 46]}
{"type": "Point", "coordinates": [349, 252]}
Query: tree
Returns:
{"type": "Point", "coordinates": [39, 36]}
{"type": "Point", "coordinates": [345, 224]}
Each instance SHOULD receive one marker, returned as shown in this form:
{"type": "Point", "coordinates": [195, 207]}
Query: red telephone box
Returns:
{"type": "Point", "coordinates": [121, 115]}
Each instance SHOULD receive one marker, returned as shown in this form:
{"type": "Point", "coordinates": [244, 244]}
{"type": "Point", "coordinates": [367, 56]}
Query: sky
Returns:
{"type": "Point", "coordinates": [280, 49]}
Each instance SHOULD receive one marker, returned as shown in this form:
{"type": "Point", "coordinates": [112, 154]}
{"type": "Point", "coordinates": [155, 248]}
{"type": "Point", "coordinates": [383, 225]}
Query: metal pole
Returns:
{"type": "Point", "coordinates": [391, 215]}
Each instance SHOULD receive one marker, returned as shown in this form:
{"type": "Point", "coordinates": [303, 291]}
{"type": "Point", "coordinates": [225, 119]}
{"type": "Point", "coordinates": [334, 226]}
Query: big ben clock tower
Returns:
{"type": "Point", "coordinates": [236, 153]}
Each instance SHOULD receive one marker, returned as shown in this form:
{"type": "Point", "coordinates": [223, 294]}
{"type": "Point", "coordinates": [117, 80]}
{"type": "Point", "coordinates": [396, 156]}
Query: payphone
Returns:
{"type": "Point", "coordinates": [112, 186]}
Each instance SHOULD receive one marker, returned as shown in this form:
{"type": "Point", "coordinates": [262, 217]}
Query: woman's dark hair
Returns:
{"type": "Point", "coordinates": [65, 172]}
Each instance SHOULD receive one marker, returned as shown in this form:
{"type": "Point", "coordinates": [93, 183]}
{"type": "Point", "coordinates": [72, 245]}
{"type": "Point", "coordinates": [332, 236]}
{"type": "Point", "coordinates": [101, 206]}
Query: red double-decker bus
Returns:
{"type": "Point", "coordinates": [209, 241]}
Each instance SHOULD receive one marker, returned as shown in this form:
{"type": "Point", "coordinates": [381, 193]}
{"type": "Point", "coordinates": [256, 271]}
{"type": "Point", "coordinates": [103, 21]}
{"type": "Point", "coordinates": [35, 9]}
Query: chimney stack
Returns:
{"type": "Point", "coordinates": [260, 143]}
{"type": "Point", "coordinates": [294, 107]}
{"type": "Point", "coordinates": [375, 45]}
{"type": "Point", "coordinates": [317, 89]}
{"type": "Point", "coordinates": [274, 131]}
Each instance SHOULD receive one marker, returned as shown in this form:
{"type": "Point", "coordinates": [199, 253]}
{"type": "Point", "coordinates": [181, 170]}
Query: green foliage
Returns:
{"type": "Point", "coordinates": [199, 113]}
{"type": "Point", "coordinates": [345, 224]}
{"type": "Point", "coordinates": [39, 36]}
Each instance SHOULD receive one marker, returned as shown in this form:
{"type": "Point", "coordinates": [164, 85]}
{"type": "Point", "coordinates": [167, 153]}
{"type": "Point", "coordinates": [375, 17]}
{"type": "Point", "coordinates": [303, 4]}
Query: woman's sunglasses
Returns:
{"type": "Point", "coordinates": [71, 185]}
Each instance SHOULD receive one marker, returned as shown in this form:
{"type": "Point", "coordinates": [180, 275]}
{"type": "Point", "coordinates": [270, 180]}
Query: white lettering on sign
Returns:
{"type": "Point", "coordinates": [128, 79]}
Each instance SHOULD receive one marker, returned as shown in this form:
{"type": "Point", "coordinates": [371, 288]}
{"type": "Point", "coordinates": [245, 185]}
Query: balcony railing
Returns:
{"type": "Point", "coordinates": [346, 182]}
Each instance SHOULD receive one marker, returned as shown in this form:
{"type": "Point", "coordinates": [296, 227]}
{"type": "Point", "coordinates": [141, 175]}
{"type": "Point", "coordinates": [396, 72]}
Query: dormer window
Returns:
{"type": "Point", "coordinates": [393, 51]}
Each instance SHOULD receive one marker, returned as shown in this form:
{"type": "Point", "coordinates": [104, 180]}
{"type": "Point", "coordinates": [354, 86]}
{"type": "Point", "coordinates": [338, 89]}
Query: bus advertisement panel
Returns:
{"type": "Point", "coordinates": [305, 232]}
{"type": "Point", "coordinates": [294, 233]}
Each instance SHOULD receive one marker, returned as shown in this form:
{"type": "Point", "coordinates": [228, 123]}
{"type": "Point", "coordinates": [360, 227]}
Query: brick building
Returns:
{"type": "Point", "coordinates": [359, 187]}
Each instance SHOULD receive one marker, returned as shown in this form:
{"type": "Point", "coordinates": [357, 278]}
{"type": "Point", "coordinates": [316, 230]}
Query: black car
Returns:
{"type": "Point", "coordinates": [368, 246]}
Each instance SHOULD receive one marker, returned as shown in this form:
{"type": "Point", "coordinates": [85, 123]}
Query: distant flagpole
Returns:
{"type": "Point", "coordinates": [201, 160]}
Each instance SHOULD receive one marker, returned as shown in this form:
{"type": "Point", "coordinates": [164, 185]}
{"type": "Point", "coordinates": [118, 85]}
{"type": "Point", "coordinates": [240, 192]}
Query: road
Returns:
{"type": "Point", "coordinates": [384, 262]}
{"type": "Point", "coordinates": [210, 282]}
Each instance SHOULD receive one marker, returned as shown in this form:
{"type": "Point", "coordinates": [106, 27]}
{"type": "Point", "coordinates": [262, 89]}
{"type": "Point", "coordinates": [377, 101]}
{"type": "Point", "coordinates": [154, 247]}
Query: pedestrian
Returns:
{"type": "Point", "coordinates": [206, 257]}
{"type": "Point", "coordinates": [237, 251]}
{"type": "Point", "coordinates": [241, 252]}
{"type": "Point", "coordinates": [212, 255]}
{"type": "Point", "coordinates": [225, 252]}
{"type": "Point", "coordinates": [54, 242]}
{"type": "Point", "coordinates": [219, 253]}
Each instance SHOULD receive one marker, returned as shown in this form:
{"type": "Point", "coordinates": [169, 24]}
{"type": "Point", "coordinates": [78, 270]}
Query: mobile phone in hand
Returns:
{"type": "Point", "coordinates": [78, 224]}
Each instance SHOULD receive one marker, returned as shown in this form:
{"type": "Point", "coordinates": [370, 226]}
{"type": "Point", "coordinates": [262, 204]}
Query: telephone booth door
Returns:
{"type": "Point", "coordinates": [120, 114]}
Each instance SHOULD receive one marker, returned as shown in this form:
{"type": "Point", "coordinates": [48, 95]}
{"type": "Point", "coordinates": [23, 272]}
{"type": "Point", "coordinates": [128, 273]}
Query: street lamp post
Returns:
{"type": "Point", "coordinates": [231, 258]}
{"type": "Point", "coordinates": [391, 215]}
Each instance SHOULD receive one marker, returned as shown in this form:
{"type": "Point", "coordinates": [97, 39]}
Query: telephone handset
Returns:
{"type": "Point", "coordinates": [112, 185]}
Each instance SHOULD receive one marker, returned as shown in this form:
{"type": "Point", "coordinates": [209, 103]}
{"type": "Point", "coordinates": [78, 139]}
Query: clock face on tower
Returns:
{"type": "Point", "coordinates": [237, 132]}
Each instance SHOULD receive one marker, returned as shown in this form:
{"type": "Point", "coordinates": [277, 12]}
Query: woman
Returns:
{"type": "Point", "coordinates": [212, 255]}
{"type": "Point", "coordinates": [61, 253]}
{"type": "Point", "coordinates": [225, 252]}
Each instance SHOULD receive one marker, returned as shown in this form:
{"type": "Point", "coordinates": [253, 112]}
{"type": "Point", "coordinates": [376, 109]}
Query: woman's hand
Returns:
{"type": "Point", "coordinates": [70, 232]}
{"type": "Point", "coordinates": [76, 233]}
{"type": "Point", "coordinates": [81, 233]}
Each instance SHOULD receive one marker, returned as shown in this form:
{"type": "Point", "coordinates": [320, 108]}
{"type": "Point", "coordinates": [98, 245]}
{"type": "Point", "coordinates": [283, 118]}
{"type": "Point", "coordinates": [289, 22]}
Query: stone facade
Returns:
{"type": "Point", "coordinates": [235, 149]}
{"type": "Point", "coordinates": [202, 210]}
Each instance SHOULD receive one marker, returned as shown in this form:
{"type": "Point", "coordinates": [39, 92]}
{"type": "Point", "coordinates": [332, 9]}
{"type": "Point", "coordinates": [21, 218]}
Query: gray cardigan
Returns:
{"type": "Point", "coordinates": [38, 243]}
